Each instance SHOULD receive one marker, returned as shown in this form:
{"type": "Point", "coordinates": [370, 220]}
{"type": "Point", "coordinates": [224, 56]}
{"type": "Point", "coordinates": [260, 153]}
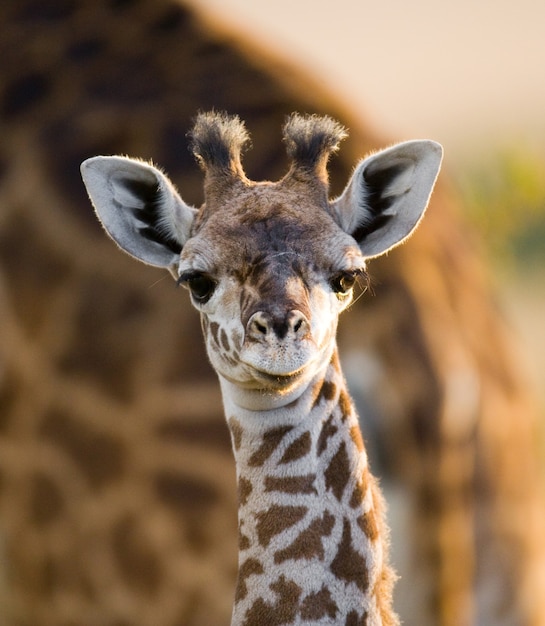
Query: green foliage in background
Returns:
{"type": "Point", "coordinates": [505, 199]}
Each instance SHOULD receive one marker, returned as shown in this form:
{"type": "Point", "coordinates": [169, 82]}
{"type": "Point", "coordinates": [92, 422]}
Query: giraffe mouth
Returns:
{"type": "Point", "coordinates": [257, 377]}
{"type": "Point", "coordinates": [279, 381]}
{"type": "Point", "coordinates": [280, 369]}
{"type": "Point", "coordinates": [276, 373]}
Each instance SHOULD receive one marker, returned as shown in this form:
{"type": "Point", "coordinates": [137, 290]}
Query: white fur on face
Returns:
{"type": "Point", "coordinates": [274, 363]}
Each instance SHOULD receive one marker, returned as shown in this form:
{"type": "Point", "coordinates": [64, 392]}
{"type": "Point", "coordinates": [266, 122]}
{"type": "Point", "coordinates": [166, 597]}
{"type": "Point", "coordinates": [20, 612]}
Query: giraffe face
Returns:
{"type": "Point", "coordinates": [269, 265]}
{"type": "Point", "coordinates": [270, 273]}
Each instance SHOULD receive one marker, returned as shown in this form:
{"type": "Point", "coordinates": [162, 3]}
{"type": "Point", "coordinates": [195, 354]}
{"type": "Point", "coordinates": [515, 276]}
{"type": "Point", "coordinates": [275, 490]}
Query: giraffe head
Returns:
{"type": "Point", "coordinates": [269, 265]}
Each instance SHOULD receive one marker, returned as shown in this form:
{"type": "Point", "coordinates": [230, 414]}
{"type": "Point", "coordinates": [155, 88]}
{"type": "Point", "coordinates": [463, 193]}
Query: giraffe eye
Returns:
{"type": "Point", "coordinates": [343, 282]}
{"type": "Point", "coordinates": [201, 286]}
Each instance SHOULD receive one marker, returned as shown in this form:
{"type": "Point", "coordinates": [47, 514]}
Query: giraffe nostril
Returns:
{"type": "Point", "coordinates": [298, 323]}
{"type": "Point", "coordinates": [258, 325]}
{"type": "Point", "coordinates": [294, 324]}
{"type": "Point", "coordinates": [297, 326]}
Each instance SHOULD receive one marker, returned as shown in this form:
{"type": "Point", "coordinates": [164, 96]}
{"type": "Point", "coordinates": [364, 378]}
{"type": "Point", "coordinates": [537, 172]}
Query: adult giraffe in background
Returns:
{"type": "Point", "coordinates": [117, 487]}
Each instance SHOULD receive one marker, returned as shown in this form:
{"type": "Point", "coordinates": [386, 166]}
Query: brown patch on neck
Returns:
{"type": "Point", "coordinates": [368, 524]}
{"type": "Point", "coordinates": [318, 605]}
{"type": "Point", "coordinates": [243, 541]}
{"type": "Point", "coordinates": [328, 430]}
{"type": "Point", "coordinates": [353, 619]}
{"type": "Point", "coordinates": [277, 519]}
{"type": "Point", "coordinates": [337, 473]}
{"type": "Point", "coordinates": [291, 484]}
{"type": "Point", "coordinates": [244, 490]}
{"type": "Point", "coordinates": [249, 567]}
{"type": "Point", "coordinates": [282, 612]}
{"type": "Point", "coordinates": [359, 491]}
{"type": "Point", "coordinates": [271, 441]}
{"type": "Point", "coordinates": [324, 390]}
{"type": "Point", "coordinates": [309, 543]}
{"type": "Point", "coordinates": [236, 432]}
{"type": "Point", "coordinates": [349, 565]}
{"type": "Point", "coordinates": [298, 449]}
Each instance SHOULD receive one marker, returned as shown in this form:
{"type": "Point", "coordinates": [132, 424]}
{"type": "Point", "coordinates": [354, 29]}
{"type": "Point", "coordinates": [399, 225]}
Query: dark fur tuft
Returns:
{"type": "Point", "coordinates": [310, 139]}
{"type": "Point", "coordinates": [217, 140]}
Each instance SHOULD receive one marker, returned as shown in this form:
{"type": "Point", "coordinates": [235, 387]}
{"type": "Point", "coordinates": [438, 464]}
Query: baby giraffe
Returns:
{"type": "Point", "coordinates": [269, 266]}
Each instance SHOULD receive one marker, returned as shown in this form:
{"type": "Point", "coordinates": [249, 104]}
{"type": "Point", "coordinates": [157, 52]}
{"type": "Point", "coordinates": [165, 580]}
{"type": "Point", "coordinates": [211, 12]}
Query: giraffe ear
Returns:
{"type": "Point", "coordinates": [388, 194]}
{"type": "Point", "coordinates": [139, 208]}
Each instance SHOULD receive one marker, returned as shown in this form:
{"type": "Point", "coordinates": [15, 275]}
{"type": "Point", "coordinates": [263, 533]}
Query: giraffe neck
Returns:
{"type": "Point", "coordinates": [310, 518]}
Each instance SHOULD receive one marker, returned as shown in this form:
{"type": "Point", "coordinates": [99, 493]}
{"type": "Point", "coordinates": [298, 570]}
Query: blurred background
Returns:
{"type": "Point", "coordinates": [470, 75]}
{"type": "Point", "coordinates": [117, 483]}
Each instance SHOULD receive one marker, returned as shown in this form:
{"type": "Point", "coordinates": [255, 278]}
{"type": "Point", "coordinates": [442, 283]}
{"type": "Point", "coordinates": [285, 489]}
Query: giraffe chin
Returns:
{"type": "Point", "coordinates": [279, 363]}
{"type": "Point", "coordinates": [257, 379]}
{"type": "Point", "coordinates": [277, 374]}
{"type": "Point", "coordinates": [281, 383]}
{"type": "Point", "coordinates": [263, 391]}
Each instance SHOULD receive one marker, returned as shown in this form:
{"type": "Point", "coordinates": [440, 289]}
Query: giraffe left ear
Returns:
{"type": "Point", "coordinates": [388, 194]}
{"type": "Point", "coordinates": [139, 208]}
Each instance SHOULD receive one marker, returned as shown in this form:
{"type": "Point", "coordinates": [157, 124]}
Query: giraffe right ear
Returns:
{"type": "Point", "coordinates": [388, 194]}
{"type": "Point", "coordinates": [139, 208]}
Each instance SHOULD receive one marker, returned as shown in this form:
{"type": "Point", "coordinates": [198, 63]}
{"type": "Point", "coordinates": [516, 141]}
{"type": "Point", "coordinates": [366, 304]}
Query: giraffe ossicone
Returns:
{"type": "Point", "coordinates": [270, 266]}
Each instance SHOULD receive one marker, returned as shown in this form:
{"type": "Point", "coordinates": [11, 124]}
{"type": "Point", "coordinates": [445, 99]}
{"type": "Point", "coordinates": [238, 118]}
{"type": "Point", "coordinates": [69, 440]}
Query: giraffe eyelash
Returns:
{"type": "Point", "coordinates": [343, 282]}
{"type": "Point", "coordinates": [200, 285]}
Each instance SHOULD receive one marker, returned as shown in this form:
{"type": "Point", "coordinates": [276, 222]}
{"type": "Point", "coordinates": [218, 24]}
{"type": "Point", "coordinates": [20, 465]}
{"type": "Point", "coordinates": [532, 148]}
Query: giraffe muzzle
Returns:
{"type": "Point", "coordinates": [278, 344]}
{"type": "Point", "coordinates": [263, 326]}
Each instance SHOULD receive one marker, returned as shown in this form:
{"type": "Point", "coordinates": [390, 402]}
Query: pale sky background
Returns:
{"type": "Point", "coordinates": [466, 73]}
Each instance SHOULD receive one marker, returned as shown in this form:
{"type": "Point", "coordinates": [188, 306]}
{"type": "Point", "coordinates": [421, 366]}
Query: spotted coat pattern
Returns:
{"type": "Point", "coordinates": [270, 266]}
{"type": "Point", "coordinates": [310, 517]}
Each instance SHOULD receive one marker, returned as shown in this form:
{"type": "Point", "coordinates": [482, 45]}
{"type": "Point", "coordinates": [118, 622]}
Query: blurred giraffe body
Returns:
{"type": "Point", "coordinates": [117, 487]}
